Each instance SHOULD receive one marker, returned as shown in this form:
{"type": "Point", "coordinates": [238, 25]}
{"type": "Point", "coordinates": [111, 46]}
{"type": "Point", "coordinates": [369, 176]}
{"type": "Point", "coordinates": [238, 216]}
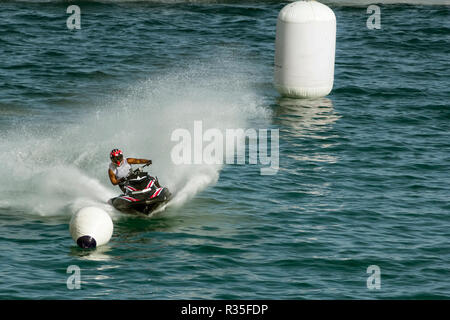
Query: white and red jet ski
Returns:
{"type": "Point", "coordinates": [142, 193]}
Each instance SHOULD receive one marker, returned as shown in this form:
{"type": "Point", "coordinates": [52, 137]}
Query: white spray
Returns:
{"type": "Point", "coordinates": [58, 169]}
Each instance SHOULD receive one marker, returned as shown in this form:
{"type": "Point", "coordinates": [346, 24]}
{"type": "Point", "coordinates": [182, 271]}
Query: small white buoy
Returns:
{"type": "Point", "coordinates": [91, 227]}
{"type": "Point", "coordinates": [305, 50]}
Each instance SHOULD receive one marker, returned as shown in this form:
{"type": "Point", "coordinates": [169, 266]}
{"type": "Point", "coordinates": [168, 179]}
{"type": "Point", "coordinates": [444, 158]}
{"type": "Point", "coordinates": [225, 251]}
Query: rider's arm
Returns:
{"type": "Point", "coordinates": [113, 178]}
{"type": "Point", "coordinates": [138, 161]}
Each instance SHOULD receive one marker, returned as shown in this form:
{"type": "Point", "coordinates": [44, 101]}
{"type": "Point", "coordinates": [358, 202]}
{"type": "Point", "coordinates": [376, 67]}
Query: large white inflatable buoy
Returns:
{"type": "Point", "coordinates": [305, 50]}
{"type": "Point", "coordinates": [91, 227]}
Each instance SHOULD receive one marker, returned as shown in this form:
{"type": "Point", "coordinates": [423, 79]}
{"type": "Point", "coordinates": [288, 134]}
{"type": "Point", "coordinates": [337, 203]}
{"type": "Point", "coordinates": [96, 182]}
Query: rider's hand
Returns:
{"type": "Point", "coordinates": [149, 162]}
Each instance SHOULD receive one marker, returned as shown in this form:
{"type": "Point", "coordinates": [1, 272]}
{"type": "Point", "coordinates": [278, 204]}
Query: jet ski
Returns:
{"type": "Point", "coordinates": [141, 192]}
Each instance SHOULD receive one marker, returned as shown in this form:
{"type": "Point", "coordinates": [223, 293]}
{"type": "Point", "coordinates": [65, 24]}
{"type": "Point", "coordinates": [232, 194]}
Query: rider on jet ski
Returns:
{"type": "Point", "coordinates": [119, 168]}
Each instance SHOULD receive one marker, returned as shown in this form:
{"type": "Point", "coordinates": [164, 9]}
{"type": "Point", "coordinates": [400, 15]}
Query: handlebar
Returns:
{"type": "Point", "coordinates": [140, 168]}
{"type": "Point", "coordinates": [137, 170]}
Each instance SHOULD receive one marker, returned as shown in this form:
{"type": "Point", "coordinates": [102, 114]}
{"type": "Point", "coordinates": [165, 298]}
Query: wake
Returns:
{"type": "Point", "coordinates": [58, 169]}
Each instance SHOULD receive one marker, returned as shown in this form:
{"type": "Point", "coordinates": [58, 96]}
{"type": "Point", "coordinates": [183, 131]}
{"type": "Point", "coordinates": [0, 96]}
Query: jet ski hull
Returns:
{"type": "Point", "coordinates": [142, 193]}
{"type": "Point", "coordinates": [129, 203]}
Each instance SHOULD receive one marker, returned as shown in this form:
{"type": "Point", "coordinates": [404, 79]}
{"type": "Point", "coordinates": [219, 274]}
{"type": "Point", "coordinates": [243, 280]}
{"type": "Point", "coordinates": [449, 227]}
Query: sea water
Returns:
{"type": "Point", "coordinates": [363, 177]}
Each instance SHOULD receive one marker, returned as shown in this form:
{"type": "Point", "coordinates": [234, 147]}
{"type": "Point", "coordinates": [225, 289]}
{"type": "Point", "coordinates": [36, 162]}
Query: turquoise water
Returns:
{"type": "Point", "coordinates": [363, 179]}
